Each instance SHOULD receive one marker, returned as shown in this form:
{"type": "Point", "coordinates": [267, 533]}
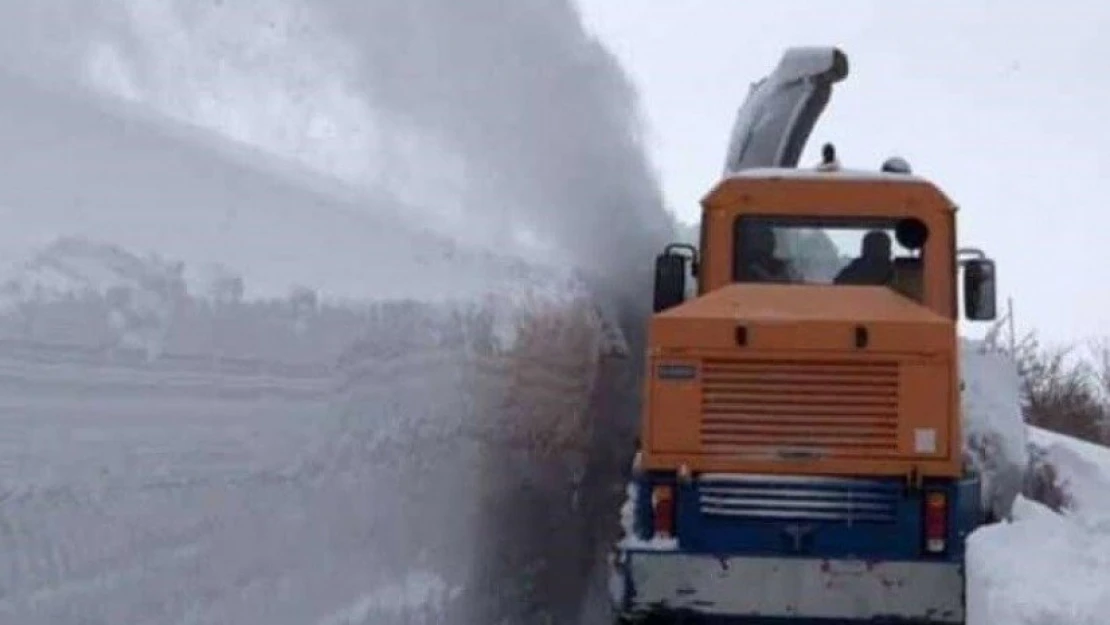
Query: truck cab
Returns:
{"type": "Point", "coordinates": [801, 445]}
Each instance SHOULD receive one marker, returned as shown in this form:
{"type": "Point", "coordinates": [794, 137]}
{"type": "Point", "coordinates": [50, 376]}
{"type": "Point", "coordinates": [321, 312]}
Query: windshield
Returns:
{"type": "Point", "coordinates": [855, 250]}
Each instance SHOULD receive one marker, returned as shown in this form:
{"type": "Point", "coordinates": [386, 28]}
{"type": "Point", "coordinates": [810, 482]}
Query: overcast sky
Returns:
{"type": "Point", "coordinates": [1001, 103]}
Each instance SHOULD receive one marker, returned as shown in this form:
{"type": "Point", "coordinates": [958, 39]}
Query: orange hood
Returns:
{"type": "Point", "coordinates": [811, 317]}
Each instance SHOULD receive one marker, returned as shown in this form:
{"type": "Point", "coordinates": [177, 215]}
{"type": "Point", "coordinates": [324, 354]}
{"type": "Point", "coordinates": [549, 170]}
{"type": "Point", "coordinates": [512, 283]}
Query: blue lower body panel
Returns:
{"type": "Point", "coordinates": [743, 589]}
{"type": "Point", "coordinates": [793, 550]}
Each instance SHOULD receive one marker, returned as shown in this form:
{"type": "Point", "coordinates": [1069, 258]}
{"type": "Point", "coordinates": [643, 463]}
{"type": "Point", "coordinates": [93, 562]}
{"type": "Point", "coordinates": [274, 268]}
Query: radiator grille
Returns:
{"type": "Point", "coordinates": [798, 498]}
{"type": "Point", "coordinates": [820, 407]}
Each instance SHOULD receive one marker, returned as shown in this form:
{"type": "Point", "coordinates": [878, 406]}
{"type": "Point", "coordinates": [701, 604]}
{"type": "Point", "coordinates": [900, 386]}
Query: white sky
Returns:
{"type": "Point", "coordinates": [1000, 103]}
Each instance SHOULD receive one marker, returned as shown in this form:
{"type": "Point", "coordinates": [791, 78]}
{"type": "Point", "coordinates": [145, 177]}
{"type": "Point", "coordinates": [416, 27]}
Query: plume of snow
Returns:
{"type": "Point", "coordinates": [502, 125]}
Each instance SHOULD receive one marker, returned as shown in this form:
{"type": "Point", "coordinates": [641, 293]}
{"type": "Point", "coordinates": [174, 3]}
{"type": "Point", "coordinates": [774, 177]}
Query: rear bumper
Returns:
{"type": "Point", "coordinates": [765, 589]}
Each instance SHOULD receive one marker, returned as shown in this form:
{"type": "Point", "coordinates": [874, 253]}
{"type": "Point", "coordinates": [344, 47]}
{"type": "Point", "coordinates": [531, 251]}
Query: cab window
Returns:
{"type": "Point", "coordinates": [845, 250]}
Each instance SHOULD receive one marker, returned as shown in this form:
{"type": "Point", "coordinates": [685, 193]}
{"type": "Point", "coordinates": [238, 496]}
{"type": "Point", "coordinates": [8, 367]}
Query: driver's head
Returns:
{"type": "Point", "coordinates": [876, 245]}
{"type": "Point", "coordinates": [762, 241]}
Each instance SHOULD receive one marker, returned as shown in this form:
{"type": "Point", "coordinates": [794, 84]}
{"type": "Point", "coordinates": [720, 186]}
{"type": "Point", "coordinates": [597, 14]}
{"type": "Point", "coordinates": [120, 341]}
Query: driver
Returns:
{"type": "Point", "coordinates": [760, 263]}
{"type": "Point", "coordinates": [873, 266]}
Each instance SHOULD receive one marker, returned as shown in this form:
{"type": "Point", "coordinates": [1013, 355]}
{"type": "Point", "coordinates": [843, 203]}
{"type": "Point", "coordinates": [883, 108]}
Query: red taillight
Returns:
{"type": "Point", "coordinates": [936, 522]}
{"type": "Point", "coordinates": [662, 505]}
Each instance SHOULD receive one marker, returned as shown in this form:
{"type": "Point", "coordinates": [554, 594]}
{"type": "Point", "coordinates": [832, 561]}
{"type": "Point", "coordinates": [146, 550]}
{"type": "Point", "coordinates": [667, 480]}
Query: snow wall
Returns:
{"type": "Point", "coordinates": [305, 461]}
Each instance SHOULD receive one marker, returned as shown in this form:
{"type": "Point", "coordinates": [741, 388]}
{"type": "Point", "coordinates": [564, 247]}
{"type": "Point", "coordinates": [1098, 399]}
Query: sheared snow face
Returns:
{"type": "Point", "coordinates": [994, 428]}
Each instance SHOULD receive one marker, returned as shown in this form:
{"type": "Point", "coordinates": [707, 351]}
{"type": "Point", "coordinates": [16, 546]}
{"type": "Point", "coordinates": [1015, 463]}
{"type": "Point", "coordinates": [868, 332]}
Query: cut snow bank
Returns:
{"type": "Point", "coordinates": [994, 428]}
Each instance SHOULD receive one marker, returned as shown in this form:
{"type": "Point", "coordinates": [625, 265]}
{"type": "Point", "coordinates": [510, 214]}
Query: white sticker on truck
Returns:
{"type": "Point", "coordinates": [925, 440]}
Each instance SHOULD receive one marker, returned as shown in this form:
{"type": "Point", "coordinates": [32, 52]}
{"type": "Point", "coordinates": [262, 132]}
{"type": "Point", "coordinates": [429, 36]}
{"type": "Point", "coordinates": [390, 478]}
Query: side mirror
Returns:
{"type": "Point", "coordinates": [979, 290]}
{"type": "Point", "coordinates": [670, 277]}
{"type": "Point", "coordinates": [670, 281]}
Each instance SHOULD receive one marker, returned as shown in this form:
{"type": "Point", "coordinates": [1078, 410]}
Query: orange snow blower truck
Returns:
{"type": "Point", "coordinates": [801, 455]}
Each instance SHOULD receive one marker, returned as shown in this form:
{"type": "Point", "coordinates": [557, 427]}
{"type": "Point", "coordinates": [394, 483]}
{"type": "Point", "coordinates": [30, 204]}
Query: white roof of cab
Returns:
{"type": "Point", "coordinates": [809, 173]}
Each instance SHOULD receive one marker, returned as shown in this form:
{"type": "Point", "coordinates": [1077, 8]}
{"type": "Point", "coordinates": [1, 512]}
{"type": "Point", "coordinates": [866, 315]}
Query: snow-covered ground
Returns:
{"type": "Point", "coordinates": [1048, 568]}
{"type": "Point", "coordinates": [1040, 567]}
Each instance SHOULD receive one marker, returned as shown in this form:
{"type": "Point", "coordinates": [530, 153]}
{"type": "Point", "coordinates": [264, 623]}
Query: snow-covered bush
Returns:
{"type": "Point", "coordinates": [1064, 389]}
{"type": "Point", "coordinates": [1062, 394]}
{"type": "Point", "coordinates": [1057, 389]}
{"type": "Point", "coordinates": [89, 295]}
